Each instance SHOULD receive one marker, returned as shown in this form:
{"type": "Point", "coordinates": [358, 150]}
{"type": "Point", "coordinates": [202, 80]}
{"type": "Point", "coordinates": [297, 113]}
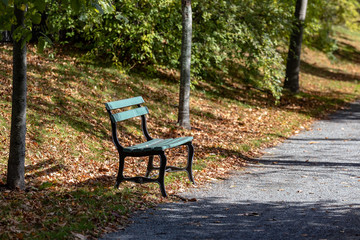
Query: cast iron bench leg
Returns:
{"type": "Point", "coordinates": [190, 161]}
{"type": "Point", "coordinates": [161, 177]}
{"type": "Point", "coordinates": [150, 166]}
{"type": "Point", "coordinates": [120, 176]}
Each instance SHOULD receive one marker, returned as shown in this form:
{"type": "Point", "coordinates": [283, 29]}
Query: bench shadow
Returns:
{"type": "Point", "coordinates": [104, 181]}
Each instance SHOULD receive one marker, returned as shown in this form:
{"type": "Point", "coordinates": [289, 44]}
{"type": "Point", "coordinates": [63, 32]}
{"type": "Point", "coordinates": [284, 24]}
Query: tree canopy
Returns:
{"type": "Point", "coordinates": [238, 35]}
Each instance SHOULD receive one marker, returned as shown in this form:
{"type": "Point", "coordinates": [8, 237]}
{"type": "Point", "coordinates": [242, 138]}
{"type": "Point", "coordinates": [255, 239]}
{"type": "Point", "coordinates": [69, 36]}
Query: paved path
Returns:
{"type": "Point", "coordinates": [306, 188]}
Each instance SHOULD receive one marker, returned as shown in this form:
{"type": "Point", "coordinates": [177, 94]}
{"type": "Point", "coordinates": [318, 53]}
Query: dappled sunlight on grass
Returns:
{"type": "Point", "coordinates": [71, 162]}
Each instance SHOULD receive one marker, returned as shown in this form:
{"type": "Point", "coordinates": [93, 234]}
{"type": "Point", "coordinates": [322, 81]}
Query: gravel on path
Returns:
{"type": "Point", "coordinates": [306, 188]}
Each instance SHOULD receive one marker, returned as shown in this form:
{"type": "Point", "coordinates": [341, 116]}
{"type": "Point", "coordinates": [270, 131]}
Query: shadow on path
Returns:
{"type": "Point", "coordinates": [211, 219]}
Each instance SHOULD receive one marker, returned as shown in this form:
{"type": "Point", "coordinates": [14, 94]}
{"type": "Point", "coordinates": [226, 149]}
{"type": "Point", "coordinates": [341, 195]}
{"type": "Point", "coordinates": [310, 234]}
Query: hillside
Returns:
{"type": "Point", "coordinates": [71, 162]}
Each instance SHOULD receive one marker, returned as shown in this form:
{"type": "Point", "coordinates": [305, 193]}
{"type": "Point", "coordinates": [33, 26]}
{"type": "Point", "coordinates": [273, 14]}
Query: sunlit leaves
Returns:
{"type": "Point", "coordinates": [323, 16]}
{"type": "Point", "coordinates": [103, 6]}
{"type": "Point", "coordinates": [35, 9]}
{"type": "Point", "coordinates": [134, 33]}
{"type": "Point", "coordinates": [149, 32]}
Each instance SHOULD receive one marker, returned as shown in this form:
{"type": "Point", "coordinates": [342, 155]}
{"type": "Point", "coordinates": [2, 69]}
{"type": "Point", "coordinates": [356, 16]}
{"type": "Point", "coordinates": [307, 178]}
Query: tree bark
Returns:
{"type": "Point", "coordinates": [293, 60]}
{"type": "Point", "coordinates": [16, 162]}
{"type": "Point", "coordinates": [185, 64]}
{"type": "Point", "coordinates": [6, 36]}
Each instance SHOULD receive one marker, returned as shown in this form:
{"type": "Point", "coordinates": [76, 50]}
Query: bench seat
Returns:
{"type": "Point", "coordinates": [158, 144]}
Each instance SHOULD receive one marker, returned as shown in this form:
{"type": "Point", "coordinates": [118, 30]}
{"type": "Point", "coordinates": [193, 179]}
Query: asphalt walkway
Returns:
{"type": "Point", "coordinates": [306, 188]}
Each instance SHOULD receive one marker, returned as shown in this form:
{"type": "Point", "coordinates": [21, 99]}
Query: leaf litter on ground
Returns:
{"type": "Point", "coordinates": [71, 162]}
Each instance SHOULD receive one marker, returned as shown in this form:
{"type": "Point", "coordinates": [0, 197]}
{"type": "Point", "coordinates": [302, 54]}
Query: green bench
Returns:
{"type": "Point", "coordinates": [152, 147]}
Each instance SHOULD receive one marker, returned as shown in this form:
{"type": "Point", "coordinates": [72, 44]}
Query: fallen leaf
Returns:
{"type": "Point", "coordinates": [20, 236]}
{"type": "Point", "coordinates": [79, 236]}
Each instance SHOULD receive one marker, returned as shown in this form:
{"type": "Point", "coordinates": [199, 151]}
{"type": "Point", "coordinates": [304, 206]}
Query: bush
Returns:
{"type": "Point", "coordinates": [246, 32]}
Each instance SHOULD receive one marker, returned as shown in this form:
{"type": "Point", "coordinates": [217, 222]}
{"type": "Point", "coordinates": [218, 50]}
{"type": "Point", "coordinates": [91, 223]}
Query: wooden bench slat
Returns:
{"type": "Point", "coordinates": [147, 144]}
{"type": "Point", "coordinates": [158, 144]}
{"type": "Point", "coordinates": [124, 103]}
{"type": "Point", "coordinates": [180, 141]}
{"type": "Point", "coordinates": [121, 116]}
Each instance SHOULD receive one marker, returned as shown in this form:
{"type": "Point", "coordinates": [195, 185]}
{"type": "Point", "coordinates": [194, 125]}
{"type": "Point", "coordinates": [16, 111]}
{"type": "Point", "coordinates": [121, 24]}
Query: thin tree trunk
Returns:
{"type": "Point", "coordinates": [16, 162]}
{"type": "Point", "coordinates": [293, 60]}
{"type": "Point", "coordinates": [185, 63]}
{"type": "Point", "coordinates": [6, 36]}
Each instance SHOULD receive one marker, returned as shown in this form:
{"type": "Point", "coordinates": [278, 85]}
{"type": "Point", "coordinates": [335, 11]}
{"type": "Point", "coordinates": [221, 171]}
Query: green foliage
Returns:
{"type": "Point", "coordinates": [246, 37]}
{"type": "Point", "coordinates": [323, 16]}
{"type": "Point", "coordinates": [35, 8]}
{"type": "Point", "coordinates": [243, 30]}
{"type": "Point", "coordinates": [149, 33]}
{"type": "Point", "coordinates": [7, 17]}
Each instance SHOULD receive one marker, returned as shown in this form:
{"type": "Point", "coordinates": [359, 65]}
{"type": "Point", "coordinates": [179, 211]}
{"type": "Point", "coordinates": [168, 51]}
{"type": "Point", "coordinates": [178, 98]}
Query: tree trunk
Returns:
{"type": "Point", "coordinates": [185, 63]}
{"type": "Point", "coordinates": [16, 162]}
{"type": "Point", "coordinates": [6, 36]}
{"type": "Point", "coordinates": [293, 60]}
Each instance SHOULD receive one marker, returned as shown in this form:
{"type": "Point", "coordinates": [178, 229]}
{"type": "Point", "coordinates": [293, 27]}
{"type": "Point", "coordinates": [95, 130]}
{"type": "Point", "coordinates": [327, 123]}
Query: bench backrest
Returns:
{"type": "Point", "coordinates": [124, 115]}
{"type": "Point", "coordinates": [121, 116]}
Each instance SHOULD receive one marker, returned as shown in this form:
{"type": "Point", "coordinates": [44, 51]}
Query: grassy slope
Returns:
{"type": "Point", "coordinates": [71, 162]}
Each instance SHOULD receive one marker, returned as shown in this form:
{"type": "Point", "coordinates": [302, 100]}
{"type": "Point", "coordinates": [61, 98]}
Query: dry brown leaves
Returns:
{"type": "Point", "coordinates": [71, 162]}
